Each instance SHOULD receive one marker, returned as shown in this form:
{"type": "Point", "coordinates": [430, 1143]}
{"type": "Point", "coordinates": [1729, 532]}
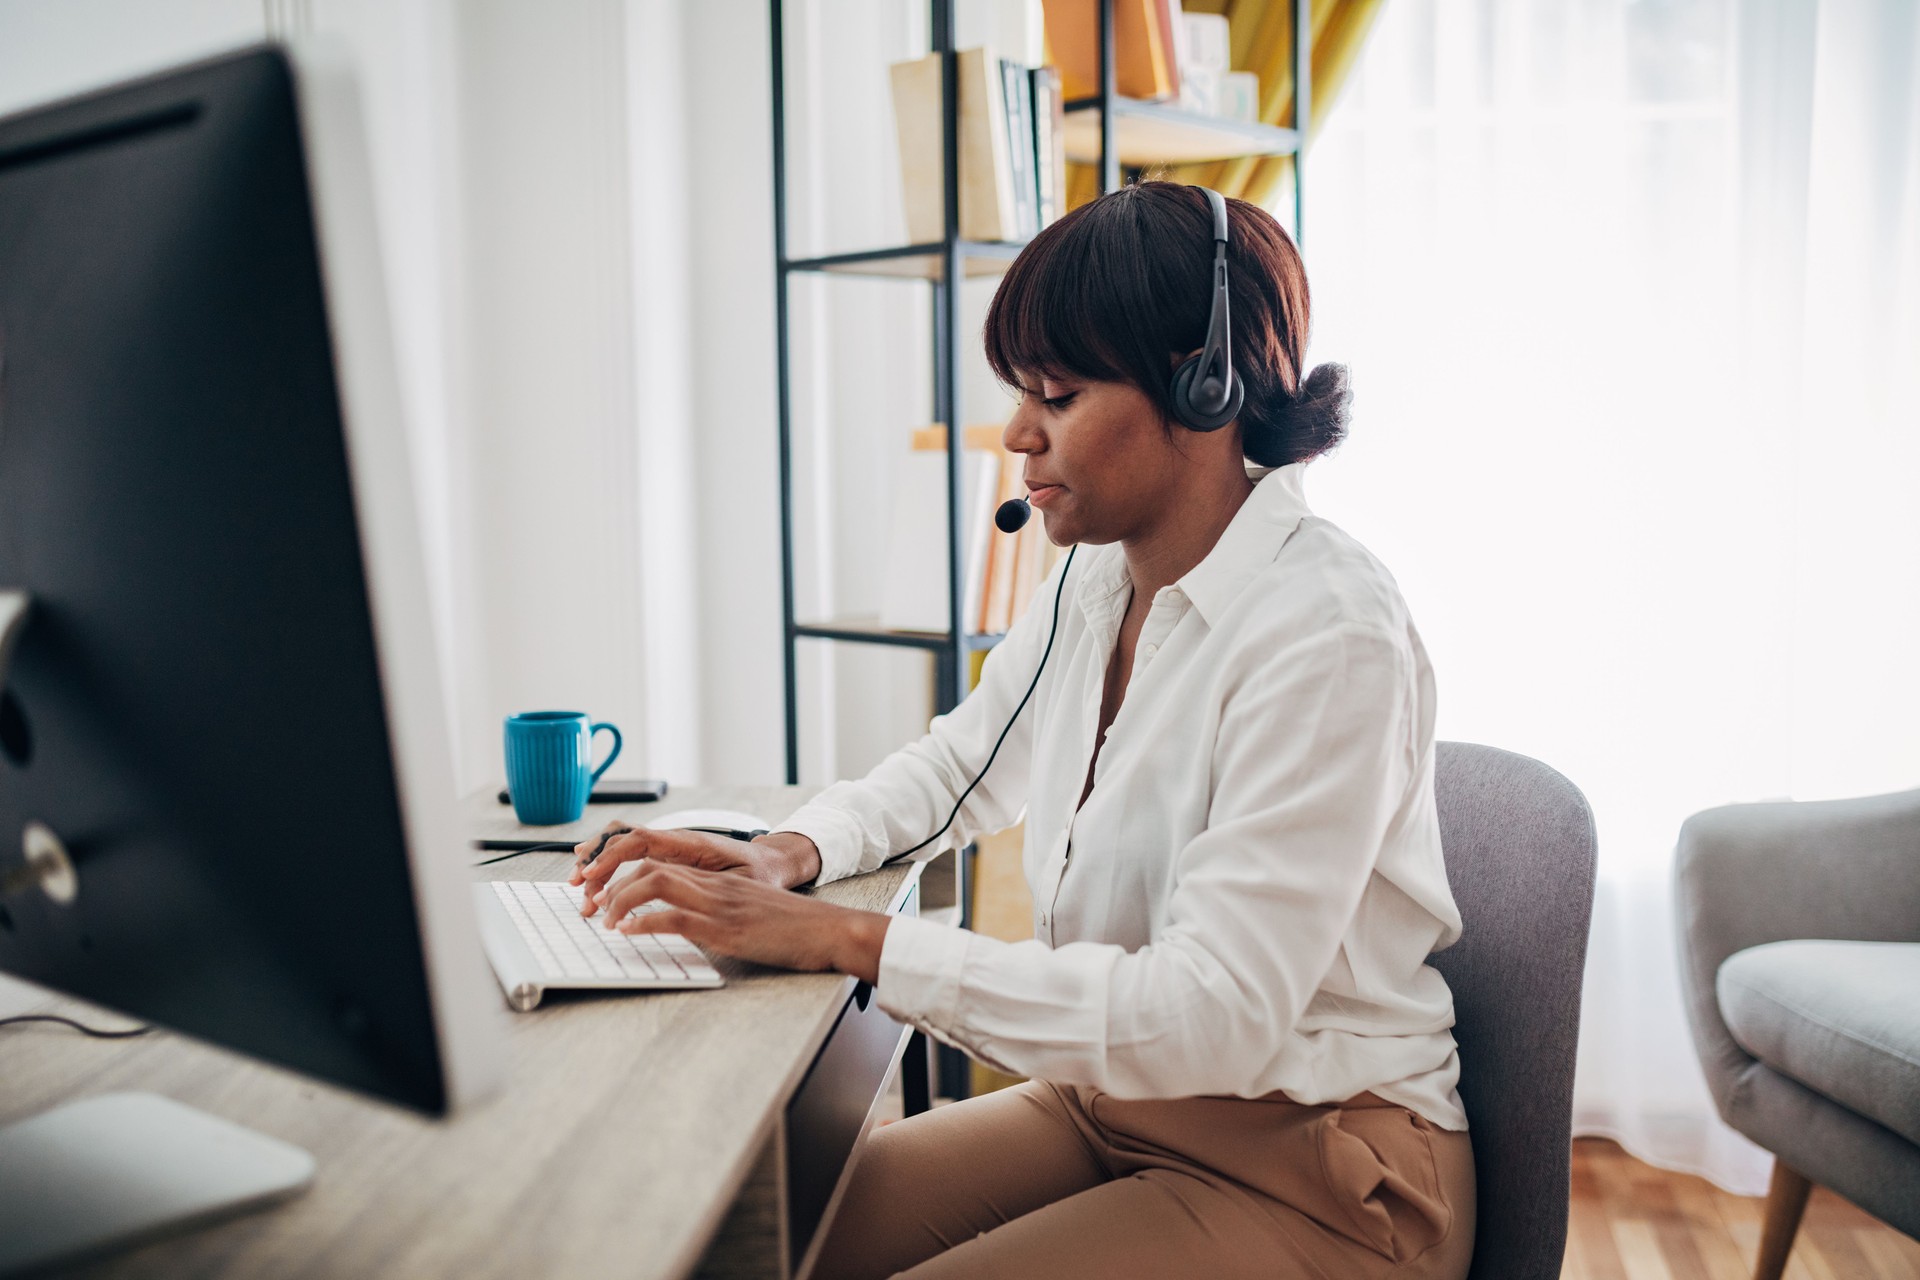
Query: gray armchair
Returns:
{"type": "Point", "coordinates": [1799, 933]}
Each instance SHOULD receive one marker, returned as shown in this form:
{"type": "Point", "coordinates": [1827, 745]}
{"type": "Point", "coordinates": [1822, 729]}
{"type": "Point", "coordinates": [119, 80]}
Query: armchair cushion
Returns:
{"type": "Point", "coordinates": [1842, 1018]}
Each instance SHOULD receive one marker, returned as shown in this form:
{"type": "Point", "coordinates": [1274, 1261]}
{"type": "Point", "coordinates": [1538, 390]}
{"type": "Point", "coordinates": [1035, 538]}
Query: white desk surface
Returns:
{"type": "Point", "coordinates": [629, 1122]}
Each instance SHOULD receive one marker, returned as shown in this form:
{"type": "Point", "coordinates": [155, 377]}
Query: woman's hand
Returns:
{"type": "Point", "coordinates": [783, 859]}
{"type": "Point", "coordinates": [739, 915]}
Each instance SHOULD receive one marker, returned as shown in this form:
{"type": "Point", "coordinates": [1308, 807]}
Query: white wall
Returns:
{"type": "Point", "coordinates": [530, 185]}
{"type": "Point", "coordinates": [576, 201]}
{"type": "Point", "coordinates": [550, 322]}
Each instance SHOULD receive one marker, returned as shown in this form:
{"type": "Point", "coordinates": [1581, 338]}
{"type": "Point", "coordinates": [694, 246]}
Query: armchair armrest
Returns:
{"type": "Point", "coordinates": [1753, 873]}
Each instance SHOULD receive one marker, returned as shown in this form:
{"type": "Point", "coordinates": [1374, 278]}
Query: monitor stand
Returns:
{"type": "Point", "coordinates": [96, 1175]}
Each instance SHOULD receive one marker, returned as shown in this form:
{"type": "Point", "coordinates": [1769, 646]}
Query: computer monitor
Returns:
{"type": "Point", "coordinates": [223, 706]}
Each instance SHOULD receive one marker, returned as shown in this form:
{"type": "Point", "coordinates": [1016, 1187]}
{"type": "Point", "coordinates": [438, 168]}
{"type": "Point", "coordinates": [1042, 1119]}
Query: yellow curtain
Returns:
{"type": "Point", "coordinates": [1262, 37]}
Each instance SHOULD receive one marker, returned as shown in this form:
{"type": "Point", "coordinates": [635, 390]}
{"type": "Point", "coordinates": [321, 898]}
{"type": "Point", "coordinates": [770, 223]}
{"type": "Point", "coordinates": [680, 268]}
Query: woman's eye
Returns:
{"type": "Point", "coordinates": [1058, 402]}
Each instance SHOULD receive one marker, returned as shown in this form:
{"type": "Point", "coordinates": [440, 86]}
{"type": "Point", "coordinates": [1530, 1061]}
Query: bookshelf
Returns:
{"type": "Point", "coordinates": [1123, 136]}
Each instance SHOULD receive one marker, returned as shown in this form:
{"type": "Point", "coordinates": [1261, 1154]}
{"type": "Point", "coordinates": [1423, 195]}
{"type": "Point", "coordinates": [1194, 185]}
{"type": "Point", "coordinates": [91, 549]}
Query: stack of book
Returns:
{"type": "Point", "coordinates": [1013, 160]}
{"type": "Point", "coordinates": [1001, 571]}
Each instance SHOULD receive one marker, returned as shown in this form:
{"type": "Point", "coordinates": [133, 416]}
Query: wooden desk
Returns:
{"type": "Point", "coordinates": [656, 1135]}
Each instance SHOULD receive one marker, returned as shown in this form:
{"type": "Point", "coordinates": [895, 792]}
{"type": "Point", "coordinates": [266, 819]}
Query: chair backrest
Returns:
{"type": "Point", "coordinates": [1519, 845]}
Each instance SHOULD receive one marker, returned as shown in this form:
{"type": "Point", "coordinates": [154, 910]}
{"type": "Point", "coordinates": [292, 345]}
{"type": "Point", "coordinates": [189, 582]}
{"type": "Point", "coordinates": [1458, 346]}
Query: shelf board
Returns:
{"type": "Point", "coordinates": [869, 631]}
{"type": "Point", "coordinates": [1154, 133]}
{"type": "Point", "coordinates": [979, 258]}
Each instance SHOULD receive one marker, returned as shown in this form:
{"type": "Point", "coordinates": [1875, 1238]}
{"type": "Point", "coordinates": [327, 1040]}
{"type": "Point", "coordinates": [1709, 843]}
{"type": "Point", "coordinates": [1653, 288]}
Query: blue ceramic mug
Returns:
{"type": "Point", "coordinates": [550, 764]}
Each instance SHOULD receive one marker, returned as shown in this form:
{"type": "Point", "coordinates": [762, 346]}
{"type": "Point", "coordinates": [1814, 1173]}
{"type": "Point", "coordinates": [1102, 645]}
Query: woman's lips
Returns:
{"type": "Point", "coordinates": [1041, 494]}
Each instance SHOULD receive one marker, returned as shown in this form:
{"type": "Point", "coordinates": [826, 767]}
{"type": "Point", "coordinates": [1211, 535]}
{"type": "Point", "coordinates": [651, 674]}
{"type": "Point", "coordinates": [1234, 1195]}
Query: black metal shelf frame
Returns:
{"type": "Point", "coordinates": [946, 264]}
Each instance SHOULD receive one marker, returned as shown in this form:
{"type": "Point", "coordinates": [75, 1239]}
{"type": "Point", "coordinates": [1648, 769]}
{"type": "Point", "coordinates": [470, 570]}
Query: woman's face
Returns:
{"type": "Point", "coordinates": [1100, 467]}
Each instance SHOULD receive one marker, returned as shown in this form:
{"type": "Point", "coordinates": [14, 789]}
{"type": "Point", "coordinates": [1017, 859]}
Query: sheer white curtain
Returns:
{"type": "Point", "coordinates": [1631, 293]}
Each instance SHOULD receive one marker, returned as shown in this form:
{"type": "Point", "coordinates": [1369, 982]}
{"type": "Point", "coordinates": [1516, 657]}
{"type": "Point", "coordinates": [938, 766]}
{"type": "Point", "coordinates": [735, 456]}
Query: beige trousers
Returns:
{"type": "Point", "coordinates": [1061, 1182]}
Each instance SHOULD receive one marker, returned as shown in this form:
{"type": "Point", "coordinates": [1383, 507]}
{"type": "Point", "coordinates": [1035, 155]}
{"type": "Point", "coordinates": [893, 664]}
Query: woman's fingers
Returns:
{"type": "Point", "coordinates": [685, 887]}
{"type": "Point", "coordinates": [618, 851]}
{"type": "Point", "coordinates": [700, 849]}
{"type": "Point", "coordinates": [599, 881]}
{"type": "Point", "coordinates": [667, 920]}
{"type": "Point", "coordinates": [587, 850]}
{"type": "Point", "coordinates": [737, 916]}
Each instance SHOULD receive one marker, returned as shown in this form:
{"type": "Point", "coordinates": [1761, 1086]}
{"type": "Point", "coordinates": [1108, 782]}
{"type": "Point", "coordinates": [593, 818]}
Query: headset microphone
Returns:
{"type": "Point", "coordinates": [1012, 515]}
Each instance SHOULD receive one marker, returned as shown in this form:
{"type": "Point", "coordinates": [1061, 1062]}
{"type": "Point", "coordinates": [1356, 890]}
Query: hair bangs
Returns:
{"type": "Point", "coordinates": [1043, 321]}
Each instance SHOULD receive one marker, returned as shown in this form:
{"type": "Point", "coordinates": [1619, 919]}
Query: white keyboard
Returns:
{"type": "Point", "coordinates": [537, 939]}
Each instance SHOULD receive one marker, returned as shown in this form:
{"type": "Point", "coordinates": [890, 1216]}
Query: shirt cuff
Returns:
{"type": "Point", "coordinates": [836, 833]}
{"type": "Point", "coordinates": [920, 967]}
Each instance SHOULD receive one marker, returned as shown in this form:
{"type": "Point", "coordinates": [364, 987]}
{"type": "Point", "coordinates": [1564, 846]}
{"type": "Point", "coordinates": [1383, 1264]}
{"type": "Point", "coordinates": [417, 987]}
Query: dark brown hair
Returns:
{"type": "Point", "coordinates": [1116, 287]}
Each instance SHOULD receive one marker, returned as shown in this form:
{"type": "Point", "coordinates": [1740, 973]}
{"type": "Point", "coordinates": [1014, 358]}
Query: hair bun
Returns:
{"type": "Point", "coordinates": [1293, 428]}
{"type": "Point", "coordinates": [1323, 405]}
{"type": "Point", "coordinates": [1306, 423]}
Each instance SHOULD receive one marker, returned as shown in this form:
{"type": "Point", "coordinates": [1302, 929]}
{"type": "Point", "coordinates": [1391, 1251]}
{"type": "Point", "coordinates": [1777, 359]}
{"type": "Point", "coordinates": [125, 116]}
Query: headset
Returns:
{"type": "Point", "coordinates": [1208, 406]}
{"type": "Point", "coordinates": [1217, 398]}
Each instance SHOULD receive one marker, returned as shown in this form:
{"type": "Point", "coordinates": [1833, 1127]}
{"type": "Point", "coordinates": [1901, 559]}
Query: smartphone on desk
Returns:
{"type": "Point", "coordinates": [613, 791]}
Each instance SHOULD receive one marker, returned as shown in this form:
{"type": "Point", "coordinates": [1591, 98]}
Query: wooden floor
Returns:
{"type": "Point", "coordinates": [1631, 1221]}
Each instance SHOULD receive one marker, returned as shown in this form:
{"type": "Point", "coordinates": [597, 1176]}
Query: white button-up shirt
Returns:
{"type": "Point", "coordinates": [1247, 899]}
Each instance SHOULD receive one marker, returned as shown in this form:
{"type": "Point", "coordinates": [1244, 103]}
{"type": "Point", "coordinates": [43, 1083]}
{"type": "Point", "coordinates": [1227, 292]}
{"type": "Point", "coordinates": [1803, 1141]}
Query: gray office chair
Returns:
{"type": "Point", "coordinates": [1519, 845]}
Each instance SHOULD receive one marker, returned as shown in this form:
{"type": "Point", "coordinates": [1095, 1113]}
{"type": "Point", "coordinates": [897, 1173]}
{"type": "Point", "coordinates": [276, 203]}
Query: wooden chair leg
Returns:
{"type": "Point", "coordinates": [1786, 1200]}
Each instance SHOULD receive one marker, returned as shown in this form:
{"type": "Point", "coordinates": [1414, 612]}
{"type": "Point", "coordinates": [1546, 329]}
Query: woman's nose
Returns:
{"type": "Point", "coordinates": [1022, 433]}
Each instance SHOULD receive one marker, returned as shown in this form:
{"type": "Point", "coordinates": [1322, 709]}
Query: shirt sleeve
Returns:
{"type": "Point", "coordinates": [1316, 754]}
{"type": "Point", "coordinates": [904, 799]}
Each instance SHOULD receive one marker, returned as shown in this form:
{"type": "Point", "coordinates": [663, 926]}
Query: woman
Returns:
{"type": "Point", "coordinates": [1239, 1060]}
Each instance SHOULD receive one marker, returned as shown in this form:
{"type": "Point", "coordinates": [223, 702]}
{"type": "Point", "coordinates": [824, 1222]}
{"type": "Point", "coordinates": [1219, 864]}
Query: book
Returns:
{"type": "Point", "coordinates": [987, 195]}
{"type": "Point", "coordinates": [1168, 17]}
{"type": "Point", "coordinates": [1204, 45]}
{"type": "Point", "coordinates": [916, 126]}
{"type": "Point", "coordinates": [996, 612]}
{"type": "Point", "coordinates": [1141, 57]}
{"type": "Point", "coordinates": [1037, 90]}
{"type": "Point", "coordinates": [1240, 96]}
{"type": "Point", "coordinates": [915, 594]}
{"type": "Point", "coordinates": [1207, 42]}
{"type": "Point", "coordinates": [982, 482]}
{"type": "Point", "coordinates": [996, 556]}
{"type": "Point", "coordinates": [1016, 87]}
{"type": "Point", "coordinates": [1050, 143]}
{"type": "Point", "coordinates": [1030, 567]}
{"type": "Point", "coordinates": [986, 169]}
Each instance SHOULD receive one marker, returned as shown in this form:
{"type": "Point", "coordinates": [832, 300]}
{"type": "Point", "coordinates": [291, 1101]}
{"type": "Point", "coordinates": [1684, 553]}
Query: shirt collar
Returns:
{"type": "Point", "coordinates": [1259, 529]}
{"type": "Point", "coordinates": [1250, 542]}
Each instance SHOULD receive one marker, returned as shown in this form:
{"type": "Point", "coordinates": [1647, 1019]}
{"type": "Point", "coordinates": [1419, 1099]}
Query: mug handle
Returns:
{"type": "Point", "coordinates": [611, 755]}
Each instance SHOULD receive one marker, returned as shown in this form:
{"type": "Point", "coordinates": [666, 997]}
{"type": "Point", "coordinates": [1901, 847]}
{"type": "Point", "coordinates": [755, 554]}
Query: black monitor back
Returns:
{"type": "Point", "coordinates": [195, 705]}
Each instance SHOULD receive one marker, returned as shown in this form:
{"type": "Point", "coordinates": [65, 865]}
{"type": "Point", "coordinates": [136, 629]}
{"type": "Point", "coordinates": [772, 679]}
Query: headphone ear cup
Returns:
{"type": "Point", "coordinates": [1180, 400]}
